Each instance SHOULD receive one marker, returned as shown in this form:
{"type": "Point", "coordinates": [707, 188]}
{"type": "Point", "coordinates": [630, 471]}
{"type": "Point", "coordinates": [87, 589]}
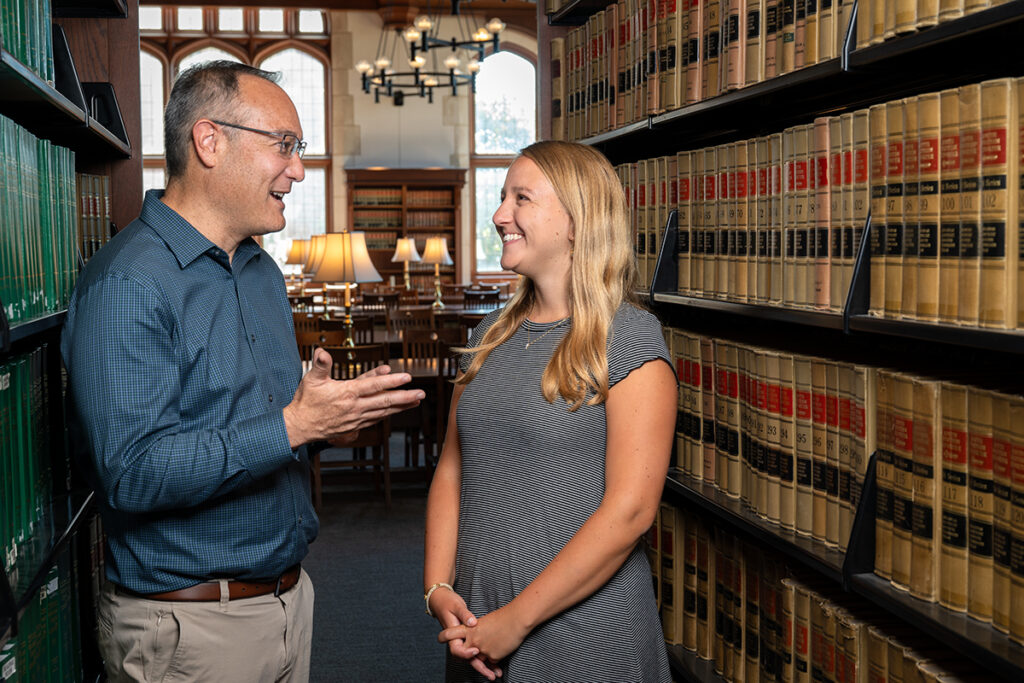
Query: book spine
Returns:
{"type": "Point", "coordinates": [725, 194]}
{"type": "Point", "coordinates": [884, 476]}
{"type": "Point", "coordinates": [840, 210]}
{"type": "Point", "coordinates": [895, 123]}
{"type": "Point", "coordinates": [925, 554]}
{"type": "Point", "coordinates": [822, 280]}
{"type": "Point", "coordinates": [710, 83]}
{"type": "Point", "coordinates": [846, 474]}
{"type": "Point", "coordinates": [902, 442]}
{"type": "Point", "coordinates": [819, 461]}
{"type": "Point", "coordinates": [773, 410]}
{"type": "Point", "coordinates": [879, 187]}
{"type": "Point", "coordinates": [775, 246]}
{"type": "Point", "coordinates": [1002, 520]}
{"type": "Point", "coordinates": [671, 619]}
{"type": "Point", "coordinates": [805, 500]}
{"type": "Point", "coordinates": [751, 211]}
{"type": "Point", "coordinates": [832, 454]}
{"type": "Point", "coordinates": [739, 193]}
{"type": "Point", "coordinates": [754, 65]}
{"type": "Point", "coordinates": [980, 504]}
{"type": "Point", "coordinates": [949, 200]}
{"type": "Point", "coordinates": [969, 273]}
{"type": "Point", "coordinates": [690, 584]}
{"type": "Point", "coordinates": [928, 208]}
{"type": "Point", "coordinates": [708, 409]}
{"type": "Point", "coordinates": [1019, 218]}
{"type": "Point", "coordinates": [954, 566]}
{"type": "Point", "coordinates": [911, 208]}
{"type": "Point", "coordinates": [1017, 516]}
{"type": "Point", "coordinates": [787, 446]}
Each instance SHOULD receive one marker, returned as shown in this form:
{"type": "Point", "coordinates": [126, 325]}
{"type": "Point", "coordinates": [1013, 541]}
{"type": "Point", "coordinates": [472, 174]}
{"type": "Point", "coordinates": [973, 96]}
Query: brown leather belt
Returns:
{"type": "Point", "coordinates": [209, 591]}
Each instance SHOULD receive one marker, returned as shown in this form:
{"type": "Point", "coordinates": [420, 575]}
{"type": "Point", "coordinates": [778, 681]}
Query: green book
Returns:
{"type": "Point", "coordinates": [9, 662]}
{"type": "Point", "coordinates": [7, 534]}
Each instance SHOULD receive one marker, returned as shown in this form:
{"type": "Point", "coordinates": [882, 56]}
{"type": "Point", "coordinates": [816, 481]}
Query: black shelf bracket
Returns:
{"type": "Point", "coordinates": [666, 269]}
{"type": "Point", "coordinates": [858, 298]}
{"type": "Point", "coordinates": [65, 74]}
{"type": "Point", "coordinates": [103, 107]}
{"type": "Point", "coordinates": [860, 551]}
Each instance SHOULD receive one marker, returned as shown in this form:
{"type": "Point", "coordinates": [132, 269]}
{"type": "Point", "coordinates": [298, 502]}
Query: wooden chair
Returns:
{"type": "Point", "coordinates": [379, 303]}
{"type": "Point", "coordinates": [401, 319]}
{"type": "Point", "coordinates": [308, 341]}
{"type": "Point", "coordinates": [452, 294]}
{"type": "Point", "coordinates": [468, 323]}
{"type": "Point", "coordinates": [362, 327]}
{"type": "Point", "coordinates": [408, 297]}
{"type": "Point", "coordinates": [302, 302]}
{"type": "Point", "coordinates": [425, 346]}
{"type": "Point", "coordinates": [305, 321]}
{"type": "Point", "coordinates": [481, 298]}
{"type": "Point", "coordinates": [370, 449]}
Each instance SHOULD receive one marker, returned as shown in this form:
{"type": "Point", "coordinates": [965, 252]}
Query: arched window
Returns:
{"type": "Point", "coordinates": [204, 54]}
{"type": "Point", "coordinates": [504, 122]}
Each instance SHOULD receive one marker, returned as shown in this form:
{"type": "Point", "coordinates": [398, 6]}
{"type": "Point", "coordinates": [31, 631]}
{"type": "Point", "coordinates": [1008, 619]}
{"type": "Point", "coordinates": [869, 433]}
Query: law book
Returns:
{"type": "Point", "coordinates": [557, 88]}
{"type": "Point", "coordinates": [969, 272]}
{"type": "Point", "coordinates": [832, 454]}
{"type": "Point", "coordinates": [653, 551]}
{"type": "Point", "coordinates": [865, 23]}
{"type": "Point", "coordinates": [929, 111]}
{"type": "Point", "coordinates": [845, 440]}
{"type": "Point", "coordinates": [684, 198]}
{"type": "Point", "coordinates": [789, 224]}
{"type": "Point", "coordinates": [754, 64]}
{"type": "Point", "coordinates": [884, 475]}
{"type": "Point", "coordinates": [732, 397]}
{"type": "Point", "coordinates": [739, 191]}
{"type": "Point", "coordinates": [911, 208]}
{"type": "Point", "coordinates": [739, 612]}
{"type": "Point", "coordinates": [772, 645]}
{"type": "Point", "coordinates": [927, 474]}
{"type": "Point", "coordinates": [804, 246]}
{"type": "Point", "coordinates": [708, 410]}
{"type": "Point", "coordinates": [721, 573]}
{"type": "Point", "coordinates": [694, 38]}
{"type": "Point", "coordinates": [751, 209]}
{"type": "Point", "coordinates": [1017, 515]}
{"type": "Point", "coordinates": [862, 429]}
{"type": "Point", "coordinates": [773, 414]}
{"type": "Point", "coordinates": [950, 9]}
{"type": "Point", "coordinates": [927, 14]}
{"type": "Point", "coordinates": [785, 56]}
{"type": "Point", "coordinates": [711, 26]}
{"type": "Point", "coordinates": [786, 442]}
{"type": "Point", "coordinates": [725, 263]}
{"type": "Point", "coordinates": [734, 41]}
{"type": "Point", "coordinates": [819, 458]}
{"type": "Point", "coordinates": [822, 200]}
{"type": "Point", "coordinates": [697, 401]}
{"type": "Point", "coordinates": [690, 586]}
{"type": "Point", "coordinates": [1002, 519]}
{"type": "Point", "coordinates": [878, 21]}
{"type": "Point", "coordinates": [801, 647]}
{"type": "Point", "coordinates": [879, 188]}
{"type": "Point", "coordinates": [763, 423]}
{"type": "Point", "coordinates": [840, 208]}
{"type": "Point", "coordinates": [895, 123]}
{"type": "Point", "coordinates": [756, 473]}
{"type": "Point", "coordinates": [954, 565]}
{"type": "Point", "coordinates": [772, 37]}
{"type": "Point", "coordinates": [655, 37]}
{"type": "Point", "coordinates": [787, 621]}
{"type": "Point", "coordinates": [611, 69]}
{"type": "Point", "coordinates": [902, 447]}
{"type": "Point", "coordinates": [671, 530]}
{"type": "Point", "coordinates": [799, 33]}
{"type": "Point", "coordinates": [980, 504]}
{"type": "Point", "coordinates": [999, 248]}
{"type": "Point", "coordinates": [752, 612]}
{"type": "Point", "coordinates": [674, 71]}
{"type": "Point", "coordinates": [777, 219]}
{"type": "Point", "coordinates": [677, 348]}
{"type": "Point", "coordinates": [828, 40]}
{"type": "Point", "coordinates": [904, 16]}
{"type": "Point", "coordinates": [856, 173]}
{"type": "Point", "coordinates": [1019, 86]}
{"type": "Point", "coordinates": [844, 14]}
{"type": "Point", "coordinates": [949, 201]}
{"type": "Point", "coordinates": [711, 225]}
{"type": "Point", "coordinates": [811, 28]}
{"type": "Point", "coordinates": [803, 432]}
{"type": "Point", "coordinates": [721, 379]}
{"type": "Point", "coordinates": [697, 224]}
{"type": "Point", "coordinates": [705, 593]}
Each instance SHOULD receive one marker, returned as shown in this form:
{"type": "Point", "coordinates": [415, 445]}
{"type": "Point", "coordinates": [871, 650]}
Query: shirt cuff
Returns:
{"type": "Point", "coordinates": [264, 445]}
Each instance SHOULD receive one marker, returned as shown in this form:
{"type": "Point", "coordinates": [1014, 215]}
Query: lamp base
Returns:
{"type": "Point", "coordinates": [348, 326]}
{"type": "Point", "coordinates": [438, 303]}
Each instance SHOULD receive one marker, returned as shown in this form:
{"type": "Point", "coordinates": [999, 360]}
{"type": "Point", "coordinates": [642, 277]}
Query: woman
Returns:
{"type": "Point", "coordinates": [557, 448]}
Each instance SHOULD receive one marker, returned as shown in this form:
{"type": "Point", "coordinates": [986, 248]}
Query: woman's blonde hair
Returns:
{"type": "Point", "coordinates": [602, 273]}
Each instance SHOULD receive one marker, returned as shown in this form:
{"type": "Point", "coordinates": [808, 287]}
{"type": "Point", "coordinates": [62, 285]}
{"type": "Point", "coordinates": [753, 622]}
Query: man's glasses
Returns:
{"type": "Point", "coordinates": [288, 144]}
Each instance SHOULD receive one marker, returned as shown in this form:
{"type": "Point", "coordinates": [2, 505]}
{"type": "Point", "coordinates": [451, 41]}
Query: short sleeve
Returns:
{"type": "Point", "coordinates": [636, 339]}
{"type": "Point", "coordinates": [474, 339]}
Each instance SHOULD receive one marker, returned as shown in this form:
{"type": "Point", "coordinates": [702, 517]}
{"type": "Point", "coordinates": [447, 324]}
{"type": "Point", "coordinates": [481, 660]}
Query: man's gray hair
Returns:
{"type": "Point", "coordinates": [207, 90]}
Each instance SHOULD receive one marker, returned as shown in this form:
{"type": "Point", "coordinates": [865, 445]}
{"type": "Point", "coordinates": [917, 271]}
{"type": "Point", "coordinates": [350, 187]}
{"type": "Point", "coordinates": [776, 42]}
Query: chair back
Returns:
{"type": "Point", "coordinates": [408, 297]}
{"type": "Point", "coordinates": [305, 321]}
{"type": "Point", "coordinates": [400, 319]}
{"type": "Point", "coordinates": [302, 302]}
{"type": "Point", "coordinates": [362, 327]}
{"type": "Point", "coordinates": [379, 301]}
{"type": "Point", "coordinates": [468, 323]}
{"type": "Point", "coordinates": [352, 361]}
{"type": "Point", "coordinates": [308, 341]}
{"type": "Point", "coordinates": [419, 344]}
{"type": "Point", "coordinates": [480, 298]}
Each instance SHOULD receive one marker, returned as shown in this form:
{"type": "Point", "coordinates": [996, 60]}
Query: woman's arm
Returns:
{"type": "Point", "coordinates": [641, 414]}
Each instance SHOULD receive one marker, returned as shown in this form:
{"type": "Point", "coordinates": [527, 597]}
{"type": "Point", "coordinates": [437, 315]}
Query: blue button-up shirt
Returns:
{"type": "Point", "coordinates": [180, 363]}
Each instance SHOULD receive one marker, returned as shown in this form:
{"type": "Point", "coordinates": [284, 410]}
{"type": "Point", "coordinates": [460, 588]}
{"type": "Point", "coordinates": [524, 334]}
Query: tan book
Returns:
{"type": "Point", "coordinates": [621, 61]}
{"type": "Point", "coordinates": [840, 198]}
{"type": "Point", "coordinates": [557, 88]}
{"type": "Point", "coordinates": [760, 499]}
{"type": "Point", "coordinates": [654, 36]}
{"type": "Point", "coordinates": [971, 6]}
{"type": "Point", "coordinates": [751, 207]}
{"type": "Point", "coordinates": [775, 242]}
{"type": "Point", "coordinates": [999, 247]}
{"type": "Point", "coordinates": [642, 261]}
{"type": "Point", "coordinates": [673, 537]}
{"type": "Point", "coordinates": [787, 444]}
{"type": "Point", "coordinates": [762, 221]}
{"type": "Point", "coordinates": [721, 379]}
{"type": "Point", "coordinates": [858, 167]}
{"type": "Point", "coordinates": [805, 215]}
{"type": "Point", "coordinates": [949, 201]}
{"type": "Point", "coordinates": [878, 21]}
{"type": "Point", "coordinates": [895, 122]}
{"type": "Point", "coordinates": [801, 633]}
{"type": "Point", "coordinates": [705, 593]}
{"type": "Point", "coordinates": [800, 35]}
{"type": "Point", "coordinates": [844, 15]}
{"type": "Point", "coordinates": [669, 80]}
{"type": "Point", "coordinates": [1002, 518]}
{"type": "Point", "coordinates": [1017, 516]}
{"type": "Point", "coordinates": [845, 416]}
{"type": "Point", "coordinates": [865, 23]}
{"type": "Point", "coordinates": [950, 9]}
{"type": "Point", "coordinates": [788, 628]}
{"type": "Point", "coordinates": [823, 189]}
{"type": "Point", "coordinates": [786, 52]}
{"type": "Point", "coordinates": [708, 408]}
{"type": "Point", "coordinates": [752, 612]}
{"type": "Point", "coordinates": [734, 44]}
{"type": "Point", "coordinates": [911, 208]}
{"type": "Point", "coordinates": [862, 429]}
{"type": "Point", "coordinates": [695, 65]}
{"type": "Point", "coordinates": [789, 209]}
{"type": "Point", "coordinates": [827, 40]}
{"type": "Point", "coordinates": [832, 454]}
{"type": "Point", "coordinates": [677, 347]}
{"type": "Point", "coordinates": [954, 572]}
{"type": "Point", "coordinates": [884, 475]}
{"type": "Point", "coordinates": [980, 503]}
{"type": "Point", "coordinates": [928, 210]}
{"type": "Point", "coordinates": [697, 225]}
{"type": "Point", "coordinates": [927, 519]}
{"type": "Point", "coordinates": [738, 197]}
{"type": "Point", "coordinates": [889, 25]}
{"type": "Point", "coordinates": [653, 538]}
{"type": "Point", "coordinates": [690, 567]}
{"type": "Point", "coordinates": [905, 16]}
{"type": "Point", "coordinates": [711, 226]}
{"type": "Point", "coordinates": [804, 432]}
{"type": "Point", "coordinates": [879, 187]}
{"type": "Point", "coordinates": [773, 413]}
{"type": "Point", "coordinates": [819, 428]}
{"type": "Point", "coordinates": [927, 13]}
{"type": "Point", "coordinates": [753, 66]}
{"type": "Point", "coordinates": [684, 198]}
{"type": "Point", "coordinates": [732, 415]}
{"type": "Point", "coordinates": [710, 76]}
{"type": "Point", "coordinates": [772, 37]}
{"type": "Point", "coordinates": [811, 28]}
{"type": "Point", "coordinates": [969, 275]}
{"type": "Point", "coordinates": [1019, 85]}
{"type": "Point", "coordinates": [902, 447]}
{"type": "Point", "coordinates": [725, 264]}
{"type": "Point", "coordinates": [612, 61]}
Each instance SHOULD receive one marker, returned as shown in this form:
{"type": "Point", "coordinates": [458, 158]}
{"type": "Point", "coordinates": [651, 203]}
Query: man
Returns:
{"type": "Point", "coordinates": [190, 407]}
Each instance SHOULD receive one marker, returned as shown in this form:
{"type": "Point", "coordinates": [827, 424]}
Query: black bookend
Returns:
{"type": "Point", "coordinates": [860, 551]}
{"type": "Point", "coordinates": [850, 41]}
{"type": "Point", "coordinates": [103, 107]}
{"type": "Point", "coordinates": [666, 277]}
{"type": "Point", "coordinates": [858, 299]}
{"type": "Point", "coordinates": [5, 329]}
{"type": "Point", "coordinates": [64, 72]}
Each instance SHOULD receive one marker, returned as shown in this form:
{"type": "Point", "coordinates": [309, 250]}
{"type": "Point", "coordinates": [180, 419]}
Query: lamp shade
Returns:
{"type": "Point", "coordinates": [345, 259]}
{"type": "Point", "coordinates": [405, 250]}
{"type": "Point", "coordinates": [436, 251]}
{"type": "Point", "coordinates": [316, 253]}
{"type": "Point", "coordinates": [298, 253]}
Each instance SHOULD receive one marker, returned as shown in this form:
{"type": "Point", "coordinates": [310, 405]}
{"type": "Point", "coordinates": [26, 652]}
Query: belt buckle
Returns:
{"type": "Point", "coordinates": [277, 588]}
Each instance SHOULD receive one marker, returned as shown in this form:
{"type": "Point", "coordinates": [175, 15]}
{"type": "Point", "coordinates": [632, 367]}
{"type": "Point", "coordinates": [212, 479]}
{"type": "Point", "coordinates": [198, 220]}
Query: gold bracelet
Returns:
{"type": "Point", "coordinates": [430, 591]}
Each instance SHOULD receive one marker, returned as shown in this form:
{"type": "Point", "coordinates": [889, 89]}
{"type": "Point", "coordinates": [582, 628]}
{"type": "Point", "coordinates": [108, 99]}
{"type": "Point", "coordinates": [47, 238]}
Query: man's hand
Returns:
{"type": "Point", "coordinates": [327, 409]}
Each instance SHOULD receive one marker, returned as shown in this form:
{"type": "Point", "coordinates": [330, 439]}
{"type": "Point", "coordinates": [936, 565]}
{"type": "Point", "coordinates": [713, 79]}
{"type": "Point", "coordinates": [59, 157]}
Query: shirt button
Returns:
{"type": "Point", "coordinates": [253, 337]}
{"type": "Point", "coordinates": [270, 398]}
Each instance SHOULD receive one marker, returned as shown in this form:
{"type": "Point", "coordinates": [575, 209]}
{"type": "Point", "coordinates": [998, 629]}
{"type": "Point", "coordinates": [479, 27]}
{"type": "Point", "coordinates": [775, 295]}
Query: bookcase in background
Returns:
{"type": "Point", "coordinates": [407, 202]}
{"type": "Point", "coordinates": [964, 44]}
{"type": "Point", "coordinates": [72, 84]}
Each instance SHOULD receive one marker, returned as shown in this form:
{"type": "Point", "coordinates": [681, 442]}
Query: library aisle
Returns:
{"type": "Point", "coordinates": [366, 566]}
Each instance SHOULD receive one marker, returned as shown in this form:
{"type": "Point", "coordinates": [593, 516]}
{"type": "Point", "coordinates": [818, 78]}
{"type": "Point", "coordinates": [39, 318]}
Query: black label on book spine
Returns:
{"type": "Point", "coordinates": [902, 512]}
{"type": "Point", "coordinates": [979, 538]}
{"type": "Point", "coordinates": [753, 23]}
{"type": "Point", "coordinates": [993, 239]}
{"type": "Point", "coordinates": [949, 240]}
{"type": "Point", "coordinates": [821, 243]}
{"type": "Point", "coordinates": [1001, 541]}
{"type": "Point", "coordinates": [832, 480]}
{"type": "Point", "coordinates": [845, 488]}
{"type": "Point", "coordinates": [922, 520]}
{"type": "Point", "coordinates": [819, 475]}
{"type": "Point", "coordinates": [910, 235]}
{"type": "Point", "coordinates": [883, 507]}
{"type": "Point", "coordinates": [851, 237]}
{"type": "Point", "coordinates": [877, 239]}
{"type": "Point", "coordinates": [800, 243]}
{"type": "Point", "coordinates": [837, 244]}
{"type": "Point", "coordinates": [980, 484]}
{"type": "Point", "coordinates": [804, 476]}
{"type": "Point", "coordinates": [954, 477]}
{"type": "Point", "coordinates": [682, 242]}
{"type": "Point", "coordinates": [927, 242]}
{"type": "Point", "coordinates": [785, 467]}
{"type": "Point", "coordinates": [689, 601]}
{"type": "Point", "coordinates": [894, 239]}
{"type": "Point", "coordinates": [954, 529]}
{"type": "Point", "coordinates": [709, 431]}
{"type": "Point", "coordinates": [1017, 556]}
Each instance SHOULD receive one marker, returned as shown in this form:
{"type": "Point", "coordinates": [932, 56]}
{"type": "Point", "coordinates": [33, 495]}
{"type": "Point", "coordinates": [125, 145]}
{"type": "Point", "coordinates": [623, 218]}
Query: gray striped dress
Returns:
{"type": "Point", "coordinates": [532, 474]}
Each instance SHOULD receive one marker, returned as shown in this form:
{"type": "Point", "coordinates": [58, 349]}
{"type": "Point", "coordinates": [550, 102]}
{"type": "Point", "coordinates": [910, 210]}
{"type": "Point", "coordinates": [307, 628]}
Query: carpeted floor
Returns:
{"type": "Point", "coordinates": [366, 567]}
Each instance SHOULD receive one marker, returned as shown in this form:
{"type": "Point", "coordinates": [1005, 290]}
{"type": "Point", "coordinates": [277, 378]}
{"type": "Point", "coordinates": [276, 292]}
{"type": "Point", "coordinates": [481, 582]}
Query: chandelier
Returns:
{"type": "Point", "coordinates": [422, 41]}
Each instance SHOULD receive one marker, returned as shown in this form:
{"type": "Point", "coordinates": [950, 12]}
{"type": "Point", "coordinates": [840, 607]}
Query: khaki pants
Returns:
{"type": "Point", "coordinates": [252, 640]}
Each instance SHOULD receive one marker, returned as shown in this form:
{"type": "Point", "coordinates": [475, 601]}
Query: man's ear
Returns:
{"type": "Point", "coordinates": [207, 142]}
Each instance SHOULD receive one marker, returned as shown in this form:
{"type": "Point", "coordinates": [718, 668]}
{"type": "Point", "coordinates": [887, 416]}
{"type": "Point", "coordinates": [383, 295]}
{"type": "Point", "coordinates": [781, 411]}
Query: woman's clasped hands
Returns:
{"type": "Point", "coordinates": [484, 641]}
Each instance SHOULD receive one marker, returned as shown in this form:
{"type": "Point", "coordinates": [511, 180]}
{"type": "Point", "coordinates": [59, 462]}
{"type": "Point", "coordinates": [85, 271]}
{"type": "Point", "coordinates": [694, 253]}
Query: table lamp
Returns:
{"type": "Point", "coordinates": [298, 254]}
{"type": "Point", "coordinates": [346, 260]}
{"type": "Point", "coordinates": [436, 252]}
{"type": "Point", "coordinates": [405, 251]}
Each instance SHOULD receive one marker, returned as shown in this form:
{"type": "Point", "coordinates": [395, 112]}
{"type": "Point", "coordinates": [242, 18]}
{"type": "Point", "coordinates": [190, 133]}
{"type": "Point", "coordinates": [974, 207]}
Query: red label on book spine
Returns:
{"type": "Point", "coordinates": [993, 147]}
{"type": "Point", "coordinates": [954, 446]}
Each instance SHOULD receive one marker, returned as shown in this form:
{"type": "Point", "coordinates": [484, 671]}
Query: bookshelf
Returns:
{"type": "Point", "coordinates": [405, 202]}
{"type": "Point", "coordinates": [90, 106]}
{"type": "Point", "coordinates": [967, 50]}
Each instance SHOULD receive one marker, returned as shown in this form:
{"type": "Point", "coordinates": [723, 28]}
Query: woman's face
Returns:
{"type": "Point", "coordinates": [535, 230]}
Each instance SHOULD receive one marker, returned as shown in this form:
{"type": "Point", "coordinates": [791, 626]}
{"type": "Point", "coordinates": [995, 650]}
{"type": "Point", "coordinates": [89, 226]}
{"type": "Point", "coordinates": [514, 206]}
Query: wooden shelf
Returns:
{"type": "Point", "coordinates": [90, 8]}
{"type": "Point", "coordinates": [691, 668]}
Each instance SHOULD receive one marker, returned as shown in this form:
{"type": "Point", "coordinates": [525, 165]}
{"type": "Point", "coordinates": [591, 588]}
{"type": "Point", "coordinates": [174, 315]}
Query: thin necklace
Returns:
{"type": "Point", "coordinates": [530, 342]}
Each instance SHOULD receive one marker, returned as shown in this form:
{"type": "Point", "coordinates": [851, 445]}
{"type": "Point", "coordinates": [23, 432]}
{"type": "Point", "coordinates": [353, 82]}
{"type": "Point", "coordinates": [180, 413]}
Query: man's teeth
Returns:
{"type": "Point", "coordinates": [279, 195]}
{"type": "Point", "coordinates": [510, 236]}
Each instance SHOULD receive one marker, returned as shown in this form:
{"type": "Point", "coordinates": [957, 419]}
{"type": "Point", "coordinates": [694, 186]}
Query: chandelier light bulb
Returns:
{"type": "Point", "coordinates": [363, 67]}
{"type": "Point", "coordinates": [423, 23]}
{"type": "Point", "coordinates": [381, 63]}
{"type": "Point", "coordinates": [473, 67]}
{"type": "Point", "coordinates": [430, 82]}
{"type": "Point", "coordinates": [451, 62]}
{"type": "Point", "coordinates": [495, 25]}
{"type": "Point", "coordinates": [481, 35]}
{"type": "Point", "coordinates": [411, 35]}
{"type": "Point", "coordinates": [417, 62]}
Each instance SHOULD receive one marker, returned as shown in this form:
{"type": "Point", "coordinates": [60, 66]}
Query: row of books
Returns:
{"type": "Point", "coordinates": [377, 218]}
{"type": "Point", "coordinates": [25, 32]}
{"type": "Point", "coordinates": [377, 196]}
{"type": "Point", "coordinates": [38, 254]}
{"type": "Point", "coordinates": [429, 198]}
{"type": "Point", "coordinates": [381, 239]}
{"type": "Point", "coordinates": [789, 435]}
{"type": "Point", "coordinates": [779, 219]}
{"type": "Point", "coordinates": [94, 227]}
{"type": "Point", "coordinates": [640, 57]}
{"type": "Point", "coordinates": [429, 219]}
{"type": "Point", "coordinates": [881, 20]}
{"type": "Point", "coordinates": [741, 607]}
{"type": "Point", "coordinates": [47, 648]}
{"type": "Point", "coordinates": [950, 513]}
